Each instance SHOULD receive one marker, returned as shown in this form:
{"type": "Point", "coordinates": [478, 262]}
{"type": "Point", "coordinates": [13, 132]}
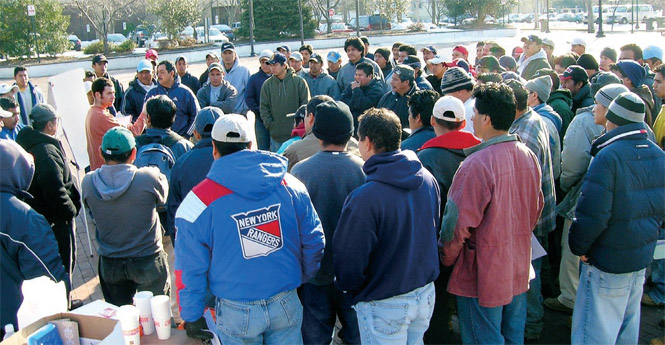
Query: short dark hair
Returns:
{"type": "Point", "coordinates": [519, 92]}
{"type": "Point", "coordinates": [355, 42]}
{"type": "Point", "coordinates": [489, 77]}
{"type": "Point", "coordinates": [615, 68]}
{"type": "Point", "coordinates": [421, 103]}
{"type": "Point", "coordinates": [480, 44]}
{"type": "Point", "coordinates": [161, 111]}
{"type": "Point", "coordinates": [397, 45]}
{"type": "Point", "coordinates": [364, 39]}
{"type": "Point", "coordinates": [449, 125]}
{"type": "Point", "coordinates": [19, 69]}
{"type": "Point", "coordinates": [40, 125]}
{"type": "Point", "coordinates": [565, 60]}
{"type": "Point", "coordinates": [229, 148]}
{"type": "Point", "coordinates": [116, 157]}
{"type": "Point", "coordinates": [8, 103]}
{"type": "Point", "coordinates": [497, 51]}
{"type": "Point", "coordinates": [411, 50]}
{"type": "Point", "coordinates": [637, 51]}
{"type": "Point", "coordinates": [316, 100]}
{"type": "Point", "coordinates": [100, 84]}
{"type": "Point", "coordinates": [658, 69]}
{"type": "Point", "coordinates": [307, 47]}
{"type": "Point", "coordinates": [168, 65]}
{"type": "Point", "coordinates": [552, 74]}
{"type": "Point", "coordinates": [497, 101]}
{"type": "Point", "coordinates": [365, 67]}
{"type": "Point", "coordinates": [89, 74]}
{"type": "Point", "coordinates": [382, 128]}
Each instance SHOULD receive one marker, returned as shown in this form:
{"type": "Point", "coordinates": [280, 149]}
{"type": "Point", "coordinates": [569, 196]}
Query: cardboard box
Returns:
{"type": "Point", "coordinates": [90, 327]}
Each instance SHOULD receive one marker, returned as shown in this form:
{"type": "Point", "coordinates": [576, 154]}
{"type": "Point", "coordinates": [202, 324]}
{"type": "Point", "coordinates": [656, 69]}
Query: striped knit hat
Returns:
{"type": "Point", "coordinates": [608, 93]}
{"type": "Point", "coordinates": [455, 79]}
{"type": "Point", "coordinates": [626, 109]}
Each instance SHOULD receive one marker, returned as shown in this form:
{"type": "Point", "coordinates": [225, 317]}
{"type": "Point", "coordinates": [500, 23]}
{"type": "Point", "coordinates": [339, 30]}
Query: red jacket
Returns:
{"type": "Point", "coordinates": [493, 205]}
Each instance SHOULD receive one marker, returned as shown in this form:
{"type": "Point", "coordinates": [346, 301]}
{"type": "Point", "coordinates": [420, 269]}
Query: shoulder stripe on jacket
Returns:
{"type": "Point", "coordinates": [201, 196]}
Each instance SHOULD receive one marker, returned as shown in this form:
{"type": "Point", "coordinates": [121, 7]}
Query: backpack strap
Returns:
{"type": "Point", "coordinates": [171, 139]}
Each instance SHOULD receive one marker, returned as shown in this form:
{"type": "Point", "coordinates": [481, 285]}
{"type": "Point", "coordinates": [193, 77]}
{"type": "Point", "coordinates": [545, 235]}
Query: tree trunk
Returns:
{"type": "Point", "coordinates": [435, 18]}
{"type": "Point", "coordinates": [590, 21]}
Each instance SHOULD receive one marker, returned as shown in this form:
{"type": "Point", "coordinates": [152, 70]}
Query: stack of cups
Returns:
{"type": "Point", "coordinates": [129, 321]}
{"type": "Point", "coordinates": [161, 314]}
{"type": "Point", "coordinates": [142, 303]}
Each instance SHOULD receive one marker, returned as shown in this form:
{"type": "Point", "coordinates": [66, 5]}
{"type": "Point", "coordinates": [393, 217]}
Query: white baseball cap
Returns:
{"type": "Point", "coordinates": [578, 41]}
{"type": "Point", "coordinates": [5, 114]}
{"type": "Point", "coordinates": [295, 56]}
{"type": "Point", "coordinates": [266, 54]}
{"type": "Point", "coordinates": [231, 128]}
{"type": "Point", "coordinates": [436, 60]}
{"type": "Point", "coordinates": [449, 104]}
{"type": "Point", "coordinates": [5, 88]}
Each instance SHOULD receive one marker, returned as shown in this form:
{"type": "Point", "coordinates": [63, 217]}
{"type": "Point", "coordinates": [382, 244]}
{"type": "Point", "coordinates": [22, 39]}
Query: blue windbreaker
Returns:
{"type": "Point", "coordinates": [247, 232]}
{"type": "Point", "coordinates": [185, 101]}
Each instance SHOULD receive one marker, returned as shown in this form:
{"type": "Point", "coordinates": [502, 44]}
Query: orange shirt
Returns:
{"type": "Point", "coordinates": [97, 122]}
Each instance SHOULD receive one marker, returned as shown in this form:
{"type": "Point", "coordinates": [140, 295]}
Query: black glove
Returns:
{"type": "Point", "coordinates": [198, 329]}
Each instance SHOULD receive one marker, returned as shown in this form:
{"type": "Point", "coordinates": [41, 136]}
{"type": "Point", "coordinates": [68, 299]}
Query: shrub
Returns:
{"type": "Point", "coordinates": [96, 48]}
{"type": "Point", "coordinates": [187, 42]}
{"type": "Point", "coordinates": [126, 46]}
{"type": "Point", "coordinates": [417, 26]}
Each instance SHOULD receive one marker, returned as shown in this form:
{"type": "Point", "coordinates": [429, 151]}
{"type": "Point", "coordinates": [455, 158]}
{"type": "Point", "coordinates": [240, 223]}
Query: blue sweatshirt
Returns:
{"type": "Point", "coordinates": [385, 241]}
{"type": "Point", "coordinates": [247, 232]}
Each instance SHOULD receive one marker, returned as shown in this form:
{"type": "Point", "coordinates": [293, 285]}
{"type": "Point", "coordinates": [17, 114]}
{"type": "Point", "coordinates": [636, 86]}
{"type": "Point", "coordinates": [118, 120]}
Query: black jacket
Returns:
{"type": "Point", "coordinates": [132, 102]}
{"type": "Point", "coordinates": [362, 98]}
{"type": "Point", "coordinates": [55, 194]}
{"type": "Point", "coordinates": [191, 82]}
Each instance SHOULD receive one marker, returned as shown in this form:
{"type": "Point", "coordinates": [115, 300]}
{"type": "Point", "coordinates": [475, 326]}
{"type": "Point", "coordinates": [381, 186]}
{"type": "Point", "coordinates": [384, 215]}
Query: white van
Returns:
{"type": "Point", "coordinates": [624, 13]}
{"type": "Point", "coordinates": [607, 11]}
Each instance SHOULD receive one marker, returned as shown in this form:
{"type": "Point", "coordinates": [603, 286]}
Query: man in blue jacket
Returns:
{"type": "Point", "coordinates": [616, 226]}
{"type": "Point", "coordinates": [132, 102]}
{"type": "Point", "coordinates": [235, 74]}
{"type": "Point", "coordinates": [385, 252]}
{"type": "Point", "coordinates": [27, 245]}
{"type": "Point", "coordinates": [249, 235]}
{"type": "Point", "coordinates": [168, 83]}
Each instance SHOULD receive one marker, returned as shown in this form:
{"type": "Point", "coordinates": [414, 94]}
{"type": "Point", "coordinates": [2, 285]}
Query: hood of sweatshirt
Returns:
{"type": "Point", "coordinates": [563, 95]}
{"type": "Point", "coordinates": [16, 168]}
{"type": "Point", "coordinates": [112, 181]}
{"type": "Point", "coordinates": [251, 174]}
{"type": "Point", "coordinates": [397, 168]}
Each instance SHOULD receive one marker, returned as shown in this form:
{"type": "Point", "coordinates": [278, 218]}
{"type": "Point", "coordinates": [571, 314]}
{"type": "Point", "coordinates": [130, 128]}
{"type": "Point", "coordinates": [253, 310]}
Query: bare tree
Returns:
{"type": "Point", "coordinates": [322, 7]}
{"type": "Point", "coordinates": [233, 9]}
{"type": "Point", "coordinates": [103, 13]}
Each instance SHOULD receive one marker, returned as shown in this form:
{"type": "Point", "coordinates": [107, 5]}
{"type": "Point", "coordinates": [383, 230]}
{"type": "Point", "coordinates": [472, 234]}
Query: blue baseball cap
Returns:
{"type": "Point", "coordinates": [334, 56]}
{"type": "Point", "coordinates": [144, 65]}
{"type": "Point", "coordinates": [651, 52]}
{"type": "Point", "coordinates": [278, 58]}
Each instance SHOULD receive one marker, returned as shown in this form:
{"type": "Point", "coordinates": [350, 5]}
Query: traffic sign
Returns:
{"type": "Point", "coordinates": [331, 12]}
{"type": "Point", "coordinates": [31, 10]}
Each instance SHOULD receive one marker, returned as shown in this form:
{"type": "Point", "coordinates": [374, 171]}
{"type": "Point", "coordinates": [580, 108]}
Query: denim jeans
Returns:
{"type": "Point", "coordinates": [121, 278]}
{"type": "Point", "coordinates": [321, 305]}
{"type": "Point", "coordinates": [276, 320]}
{"type": "Point", "coordinates": [498, 325]}
{"type": "Point", "coordinates": [401, 319]}
{"type": "Point", "coordinates": [262, 135]}
{"type": "Point", "coordinates": [534, 303]}
{"type": "Point", "coordinates": [275, 145]}
{"type": "Point", "coordinates": [607, 307]}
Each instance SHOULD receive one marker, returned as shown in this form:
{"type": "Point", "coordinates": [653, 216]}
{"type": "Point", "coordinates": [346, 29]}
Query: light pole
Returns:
{"type": "Point", "coordinates": [302, 31]}
{"type": "Point", "coordinates": [357, 19]}
{"type": "Point", "coordinates": [547, 22]}
{"type": "Point", "coordinates": [251, 28]}
{"type": "Point", "coordinates": [600, 19]}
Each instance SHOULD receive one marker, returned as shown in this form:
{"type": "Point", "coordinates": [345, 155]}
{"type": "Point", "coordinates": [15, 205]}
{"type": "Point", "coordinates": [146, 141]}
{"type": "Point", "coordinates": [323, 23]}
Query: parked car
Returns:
{"type": "Point", "coordinates": [624, 13]}
{"type": "Point", "coordinates": [75, 41]}
{"type": "Point", "coordinates": [226, 30]}
{"type": "Point", "coordinates": [374, 22]}
{"type": "Point", "coordinates": [568, 17]}
{"type": "Point", "coordinates": [141, 34]}
{"type": "Point", "coordinates": [116, 38]}
{"type": "Point", "coordinates": [214, 36]}
{"type": "Point", "coordinates": [187, 32]}
{"type": "Point", "coordinates": [335, 27]}
{"type": "Point", "coordinates": [154, 40]}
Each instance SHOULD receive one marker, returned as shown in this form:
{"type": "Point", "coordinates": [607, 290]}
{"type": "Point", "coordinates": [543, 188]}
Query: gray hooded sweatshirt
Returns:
{"type": "Point", "coordinates": [123, 200]}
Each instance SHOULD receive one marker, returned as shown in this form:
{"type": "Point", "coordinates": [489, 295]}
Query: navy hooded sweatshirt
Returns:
{"type": "Point", "coordinates": [385, 242]}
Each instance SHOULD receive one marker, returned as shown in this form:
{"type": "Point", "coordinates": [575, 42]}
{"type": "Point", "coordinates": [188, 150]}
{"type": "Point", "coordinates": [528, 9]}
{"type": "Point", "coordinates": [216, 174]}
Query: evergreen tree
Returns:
{"type": "Point", "coordinates": [277, 19]}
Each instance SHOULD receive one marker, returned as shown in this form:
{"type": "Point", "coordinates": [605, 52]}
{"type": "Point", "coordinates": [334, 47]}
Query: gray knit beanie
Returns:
{"type": "Point", "coordinates": [626, 109]}
{"type": "Point", "coordinates": [455, 79]}
{"type": "Point", "coordinates": [542, 86]}
{"type": "Point", "coordinates": [608, 93]}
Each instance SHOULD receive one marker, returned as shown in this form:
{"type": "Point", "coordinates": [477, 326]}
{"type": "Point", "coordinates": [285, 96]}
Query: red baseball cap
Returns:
{"type": "Point", "coordinates": [151, 54]}
{"type": "Point", "coordinates": [462, 50]}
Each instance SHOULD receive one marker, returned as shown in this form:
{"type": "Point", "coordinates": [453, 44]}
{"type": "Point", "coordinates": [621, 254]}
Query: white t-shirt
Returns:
{"type": "Point", "coordinates": [468, 114]}
{"type": "Point", "coordinates": [27, 99]}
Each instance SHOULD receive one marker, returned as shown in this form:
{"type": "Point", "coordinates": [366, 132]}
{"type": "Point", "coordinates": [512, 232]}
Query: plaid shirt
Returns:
{"type": "Point", "coordinates": [533, 131]}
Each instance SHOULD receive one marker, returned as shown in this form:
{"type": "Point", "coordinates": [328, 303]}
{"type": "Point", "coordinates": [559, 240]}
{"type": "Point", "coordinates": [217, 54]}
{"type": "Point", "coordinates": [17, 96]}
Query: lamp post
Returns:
{"type": "Point", "coordinates": [600, 19]}
{"type": "Point", "coordinates": [302, 31]}
{"type": "Point", "coordinates": [251, 28]}
{"type": "Point", "coordinates": [357, 19]}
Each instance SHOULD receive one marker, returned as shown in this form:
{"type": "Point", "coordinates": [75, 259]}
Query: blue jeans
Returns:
{"type": "Point", "coordinates": [121, 278]}
{"type": "Point", "coordinates": [607, 307]}
{"type": "Point", "coordinates": [498, 325]}
{"type": "Point", "coordinates": [276, 320]}
{"type": "Point", "coordinates": [401, 319]}
{"type": "Point", "coordinates": [657, 293]}
{"type": "Point", "coordinates": [275, 145]}
{"type": "Point", "coordinates": [321, 306]}
{"type": "Point", "coordinates": [534, 303]}
{"type": "Point", "coordinates": [262, 135]}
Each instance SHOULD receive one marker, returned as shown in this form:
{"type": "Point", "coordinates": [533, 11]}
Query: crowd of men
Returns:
{"type": "Point", "coordinates": [388, 192]}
